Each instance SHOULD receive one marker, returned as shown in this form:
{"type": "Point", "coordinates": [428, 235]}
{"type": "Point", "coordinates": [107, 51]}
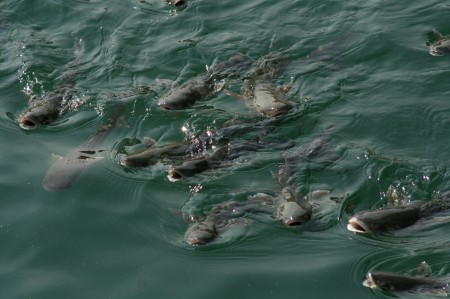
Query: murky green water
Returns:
{"type": "Point", "coordinates": [118, 233]}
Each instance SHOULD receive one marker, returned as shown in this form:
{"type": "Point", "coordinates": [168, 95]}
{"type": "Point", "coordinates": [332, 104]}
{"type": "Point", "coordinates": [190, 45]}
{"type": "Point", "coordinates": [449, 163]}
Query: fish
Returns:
{"type": "Point", "coordinates": [219, 140]}
{"type": "Point", "coordinates": [65, 171]}
{"type": "Point", "coordinates": [195, 166]}
{"type": "Point", "coordinates": [53, 105]}
{"type": "Point", "coordinates": [395, 218]}
{"type": "Point", "coordinates": [155, 153]}
{"type": "Point", "coordinates": [441, 45]}
{"type": "Point", "coordinates": [395, 282]}
{"type": "Point", "coordinates": [222, 156]}
{"type": "Point", "coordinates": [258, 91]}
{"type": "Point", "coordinates": [220, 218]}
{"type": "Point", "coordinates": [291, 210]}
{"type": "Point", "coordinates": [203, 86]}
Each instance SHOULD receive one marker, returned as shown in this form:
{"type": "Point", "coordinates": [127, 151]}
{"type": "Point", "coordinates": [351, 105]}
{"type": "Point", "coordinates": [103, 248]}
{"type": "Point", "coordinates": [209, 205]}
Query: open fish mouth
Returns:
{"type": "Point", "coordinates": [294, 221]}
{"type": "Point", "coordinates": [178, 2]}
{"type": "Point", "coordinates": [27, 123]}
{"type": "Point", "coordinates": [436, 52]}
{"type": "Point", "coordinates": [357, 226]}
{"type": "Point", "coordinates": [369, 282]}
{"type": "Point", "coordinates": [173, 175]}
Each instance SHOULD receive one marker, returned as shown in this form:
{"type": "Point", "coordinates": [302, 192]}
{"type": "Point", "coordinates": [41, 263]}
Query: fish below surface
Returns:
{"type": "Point", "coordinates": [65, 170]}
{"type": "Point", "coordinates": [221, 218]}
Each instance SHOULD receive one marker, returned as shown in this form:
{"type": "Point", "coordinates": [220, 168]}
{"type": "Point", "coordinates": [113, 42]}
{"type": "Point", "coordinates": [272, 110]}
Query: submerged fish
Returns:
{"type": "Point", "coordinates": [63, 173]}
{"type": "Point", "coordinates": [202, 87]}
{"type": "Point", "coordinates": [441, 45]}
{"type": "Point", "coordinates": [395, 218]}
{"type": "Point", "coordinates": [220, 218]}
{"type": "Point", "coordinates": [389, 281]}
{"type": "Point", "coordinates": [52, 106]}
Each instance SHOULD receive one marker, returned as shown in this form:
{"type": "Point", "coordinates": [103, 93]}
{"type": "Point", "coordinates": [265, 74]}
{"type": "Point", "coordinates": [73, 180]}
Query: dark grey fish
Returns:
{"type": "Point", "coordinates": [220, 218]}
{"type": "Point", "coordinates": [290, 207]}
{"type": "Point", "coordinates": [192, 167]}
{"type": "Point", "coordinates": [395, 282]}
{"type": "Point", "coordinates": [202, 87]}
{"type": "Point", "coordinates": [395, 218]}
{"type": "Point", "coordinates": [53, 105]}
{"type": "Point", "coordinates": [441, 45]}
{"type": "Point", "coordinates": [63, 173]}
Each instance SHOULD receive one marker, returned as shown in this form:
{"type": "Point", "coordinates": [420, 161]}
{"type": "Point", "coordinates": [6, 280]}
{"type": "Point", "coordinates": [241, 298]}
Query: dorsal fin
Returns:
{"type": "Point", "coordinates": [437, 35]}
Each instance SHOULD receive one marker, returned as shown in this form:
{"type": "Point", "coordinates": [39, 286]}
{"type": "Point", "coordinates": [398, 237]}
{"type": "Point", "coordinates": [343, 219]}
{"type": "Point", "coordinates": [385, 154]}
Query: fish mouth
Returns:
{"type": "Point", "coordinates": [178, 2]}
{"type": "Point", "coordinates": [435, 52]}
{"type": "Point", "coordinates": [369, 282]}
{"type": "Point", "coordinates": [27, 124]}
{"type": "Point", "coordinates": [357, 226]}
{"type": "Point", "coordinates": [173, 175]}
{"type": "Point", "coordinates": [293, 221]}
{"type": "Point", "coordinates": [198, 241]}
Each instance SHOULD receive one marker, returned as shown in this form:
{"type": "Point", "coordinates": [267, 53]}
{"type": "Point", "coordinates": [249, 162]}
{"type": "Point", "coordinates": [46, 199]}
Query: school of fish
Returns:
{"type": "Point", "coordinates": [218, 149]}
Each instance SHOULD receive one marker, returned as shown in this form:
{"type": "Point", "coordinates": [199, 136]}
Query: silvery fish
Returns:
{"type": "Point", "coordinates": [64, 172]}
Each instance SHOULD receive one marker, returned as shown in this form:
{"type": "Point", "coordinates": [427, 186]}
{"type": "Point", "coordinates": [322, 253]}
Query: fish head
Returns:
{"type": "Point", "coordinates": [181, 97]}
{"type": "Point", "coordinates": [357, 225]}
{"type": "Point", "coordinates": [381, 280]}
{"type": "Point", "coordinates": [187, 169]}
{"type": "Point", "coordinates": [37, 116]}
{"type": "Point", "coordinates": [42, 112]}
{"type": "Point", "coordinates": [384, 220]}
{"type": "Point", "coordinates": [388, 281]}
{"type": "Point", "coordinates": [292, 213]}
{"type": "Point", "coordinates": [440, 48]}
{"type": "Point", "coordinates": [201, 233]}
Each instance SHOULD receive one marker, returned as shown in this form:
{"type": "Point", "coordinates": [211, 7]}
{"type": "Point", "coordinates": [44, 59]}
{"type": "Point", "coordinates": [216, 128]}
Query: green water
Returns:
{"type": "Point", "coordinates": [118, 233]}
